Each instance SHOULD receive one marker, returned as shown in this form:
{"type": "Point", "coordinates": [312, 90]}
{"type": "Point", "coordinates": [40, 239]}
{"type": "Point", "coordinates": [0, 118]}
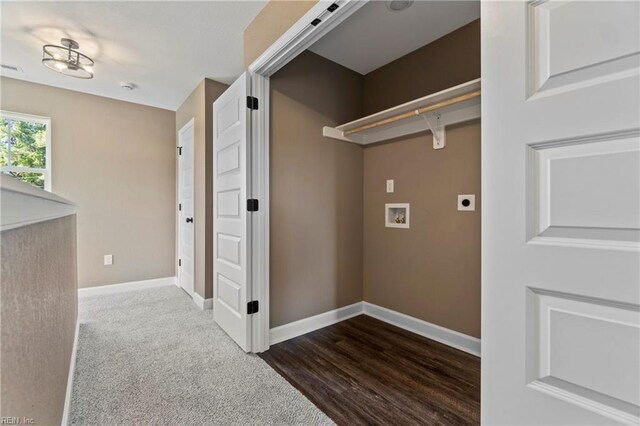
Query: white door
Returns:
{"type": "Point", "coordinates": [231, 229]}
{"type": "Point", "coordinates": [561, 212]}
{"type": "Point", "coordinates": [185, 207]}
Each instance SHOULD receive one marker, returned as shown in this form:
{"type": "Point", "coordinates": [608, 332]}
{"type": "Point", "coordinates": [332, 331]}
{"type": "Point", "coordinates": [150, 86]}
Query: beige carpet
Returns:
{"type": "Point", "coordinates": [152, 357]}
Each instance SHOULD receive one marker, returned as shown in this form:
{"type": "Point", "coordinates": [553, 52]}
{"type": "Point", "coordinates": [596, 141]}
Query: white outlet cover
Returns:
{"type": "Point", "coordinates": [108, 259]}
{"type": "Point", "coordinates": [390, 185]}
{"type": "Point", "coordinates": [469, 200]}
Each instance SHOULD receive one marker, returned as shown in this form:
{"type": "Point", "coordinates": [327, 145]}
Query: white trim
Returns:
{"type": "Point", "coordinates": [23, 204]}
{"type": "Point", "coordinates": [294, 41]}
{"type": "Point", "coordinates": [307, 325]}
{"type": "Point", "coordinates": [259, 245]}
{"type": "Point", "coordinates": [431, 331]}
{"type": "Point", "coordinates": [41, 120]}
{"type": "Point", "coordinates": [72, 369]}
{"type": "Point", "coordinates": [426, 329]}
{"type": "Point", "coordinates": [124, 287]}
{"type": "Point", "coordinates": [302, 35]}
{"type": "Point", "coordinates": [201, 302]}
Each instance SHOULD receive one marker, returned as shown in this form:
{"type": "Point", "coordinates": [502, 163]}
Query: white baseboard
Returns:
{"type": "Point", "coordinates": [201, 302]}
{"type": "Point", "coordinates": [72, 369]}
{"type": "Point", "coordinates": [123, 287]}
{"type": "Point", "coordinates": [434, 332]}
{"type": "Point", "coordinates": [307, 325]}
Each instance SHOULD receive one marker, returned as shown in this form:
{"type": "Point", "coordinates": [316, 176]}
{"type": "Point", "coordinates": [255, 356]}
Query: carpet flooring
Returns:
{"type": "Point", "coordinates": [152, 357]}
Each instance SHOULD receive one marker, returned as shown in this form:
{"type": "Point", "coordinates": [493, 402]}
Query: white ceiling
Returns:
{"type": "Point", "coordinates": [164, 48]}
{"type": "Point", "coordinates": [375, 36]}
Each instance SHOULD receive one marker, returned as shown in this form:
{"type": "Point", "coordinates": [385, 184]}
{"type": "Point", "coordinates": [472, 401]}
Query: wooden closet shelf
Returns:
{"type": "Point", "coordinates": [454, 105]}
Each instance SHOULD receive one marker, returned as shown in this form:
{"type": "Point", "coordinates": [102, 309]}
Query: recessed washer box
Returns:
{"type": "Point", "coordinates": [396, 215]}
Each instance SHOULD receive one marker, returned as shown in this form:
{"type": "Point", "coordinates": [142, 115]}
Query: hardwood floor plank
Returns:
{"type": "Point", "coordinates": [363, 371]}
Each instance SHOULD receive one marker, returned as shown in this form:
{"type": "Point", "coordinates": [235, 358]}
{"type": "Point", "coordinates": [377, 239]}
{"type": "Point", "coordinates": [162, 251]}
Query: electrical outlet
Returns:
{"type": "Point", "coordinates": [108, 259]}
{"type": "Point", "coordinates": [467, 202]}
{"type": "Point", "coordinates": [390, 185]}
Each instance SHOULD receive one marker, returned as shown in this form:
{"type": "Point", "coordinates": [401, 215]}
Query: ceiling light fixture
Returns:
{"type": "Point", "coordinates": [398, 5]}
{"type": "Point", "coordinates": [67, 60]}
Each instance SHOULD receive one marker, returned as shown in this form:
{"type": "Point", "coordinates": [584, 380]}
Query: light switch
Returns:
{"type": "Point", "coordinates": [108, 259]}
{"type": "Point", "coordinates": [467, 202]}
{"type": "Point", "coordinates": [390, 185]}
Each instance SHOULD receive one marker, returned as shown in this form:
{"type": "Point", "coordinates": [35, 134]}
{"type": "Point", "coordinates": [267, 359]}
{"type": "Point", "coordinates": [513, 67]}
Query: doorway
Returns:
{"type": "Point", "coordinates": [185, 208]}
{"type": "Point", "coordinates": [523, 80]}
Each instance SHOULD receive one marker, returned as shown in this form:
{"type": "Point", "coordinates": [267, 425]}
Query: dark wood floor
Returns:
{"type": "Point", "coordinates": [364, 371]}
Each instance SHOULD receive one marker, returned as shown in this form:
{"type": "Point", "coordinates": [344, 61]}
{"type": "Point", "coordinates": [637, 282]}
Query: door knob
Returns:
{"type": "Point", "coordinates": [189, 220]}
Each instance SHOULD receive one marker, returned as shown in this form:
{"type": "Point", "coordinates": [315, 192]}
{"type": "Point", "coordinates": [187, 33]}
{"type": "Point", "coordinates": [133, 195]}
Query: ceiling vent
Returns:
{"type": "Point", "coordinates": [7, 67]}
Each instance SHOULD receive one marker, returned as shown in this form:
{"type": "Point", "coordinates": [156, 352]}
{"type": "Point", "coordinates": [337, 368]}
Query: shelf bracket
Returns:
{"type": "Point", "coordinates": [437, 130]}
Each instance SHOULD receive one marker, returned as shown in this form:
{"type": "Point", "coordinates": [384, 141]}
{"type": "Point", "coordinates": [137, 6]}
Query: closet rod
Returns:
{"type": "Point", "coordinates": [415, 112]}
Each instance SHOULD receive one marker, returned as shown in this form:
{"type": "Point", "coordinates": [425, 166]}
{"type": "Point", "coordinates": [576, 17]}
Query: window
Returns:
{"type": "Point", "coordinates": [25, 148]}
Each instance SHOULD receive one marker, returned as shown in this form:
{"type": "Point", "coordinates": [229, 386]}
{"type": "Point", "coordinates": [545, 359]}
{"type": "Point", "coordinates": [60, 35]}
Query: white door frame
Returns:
{"type": "Point", "coordinates": [190, 123]}
{"type": "Point", "coordinates": [293, 42]}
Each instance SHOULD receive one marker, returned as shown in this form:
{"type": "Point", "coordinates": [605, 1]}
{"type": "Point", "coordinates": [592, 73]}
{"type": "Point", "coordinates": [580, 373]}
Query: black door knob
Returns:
{"type": "Point", "coordinates": [189, 220]}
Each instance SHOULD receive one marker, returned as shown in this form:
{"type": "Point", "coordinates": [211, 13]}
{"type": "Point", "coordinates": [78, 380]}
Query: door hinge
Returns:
{"type": "Point", "coordinates": [252, 102]}
{"type": "Point", "coordinates": [252, 307]}
{"type": "Point", "coordinates": [179, 207]}
{"type": "Point", "coordinates": [252, 205]}
{"type": "Point", "coordinates": [179, 150]}
{"type": "Point", "coordinates": [333, 7]}
{"type": "Point", "coordinates": [316, 21]}
{"type": "Point", "coordinates": [179, 262]}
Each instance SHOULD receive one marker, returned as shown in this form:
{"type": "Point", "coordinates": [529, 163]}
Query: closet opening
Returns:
{"type": "Point", "coordinates": [374, 215]}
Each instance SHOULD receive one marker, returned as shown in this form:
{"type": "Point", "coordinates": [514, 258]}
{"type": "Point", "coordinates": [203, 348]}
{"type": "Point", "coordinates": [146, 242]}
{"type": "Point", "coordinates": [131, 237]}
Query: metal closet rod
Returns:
{"type": "Point", "coordinates": [415, 112]}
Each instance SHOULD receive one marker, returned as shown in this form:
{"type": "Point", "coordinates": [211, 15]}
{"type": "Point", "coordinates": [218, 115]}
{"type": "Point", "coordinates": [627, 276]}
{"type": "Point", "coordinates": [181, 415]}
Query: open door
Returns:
{"type": "Point", "coordinates": [232, 229]}
{"type": "Point", "coordinates": [561, 212]}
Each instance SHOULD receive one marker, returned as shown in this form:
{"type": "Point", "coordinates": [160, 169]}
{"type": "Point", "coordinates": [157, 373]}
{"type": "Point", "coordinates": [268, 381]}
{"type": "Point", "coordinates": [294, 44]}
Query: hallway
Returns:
{"type": "Point", "coordinates": [152, 357]}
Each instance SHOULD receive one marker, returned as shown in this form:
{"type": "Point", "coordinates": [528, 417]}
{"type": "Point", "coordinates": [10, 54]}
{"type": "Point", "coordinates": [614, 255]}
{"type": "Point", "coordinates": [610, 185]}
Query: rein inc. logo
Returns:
{"type": "Point", "coordinates": [6, 420]}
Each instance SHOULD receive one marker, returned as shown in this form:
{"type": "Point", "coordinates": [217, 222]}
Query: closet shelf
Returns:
{"type": "Point", "coordinates": [433, 112]}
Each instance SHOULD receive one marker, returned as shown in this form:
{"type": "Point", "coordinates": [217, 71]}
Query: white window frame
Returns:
{"type": "Point", "coordinates": [32, 119]}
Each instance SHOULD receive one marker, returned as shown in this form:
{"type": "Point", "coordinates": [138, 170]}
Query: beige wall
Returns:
{"type": "Point", "coordinates": [446, 62]}
{"type": "Point", "coordinates": [272, 21]}
{"type": "Point", "coordinates": [432, 270]}
{"type": "Point", "coordinates": [38, 318]}
{"type": "Point", "coordinates": [316, 191]}
{"type": "Point", "coordinates": [199, 106]}
{"type": "Point", "coordinates": [116, 161]}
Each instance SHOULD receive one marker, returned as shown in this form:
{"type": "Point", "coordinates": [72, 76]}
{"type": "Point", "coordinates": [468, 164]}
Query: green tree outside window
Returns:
{"type": "Point", "coordinates": [23, 150]}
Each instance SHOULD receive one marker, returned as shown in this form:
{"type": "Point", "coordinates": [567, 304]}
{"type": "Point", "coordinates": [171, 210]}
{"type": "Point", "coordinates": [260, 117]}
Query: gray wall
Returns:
{"type": "Point", "coordinates": [116, 161]}
{"type": "Point", "coordinates": [38, 318]}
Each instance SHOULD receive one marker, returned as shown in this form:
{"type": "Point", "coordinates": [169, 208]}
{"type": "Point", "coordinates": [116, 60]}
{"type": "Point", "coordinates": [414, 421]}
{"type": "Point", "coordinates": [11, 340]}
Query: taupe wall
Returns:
{"type": "Point", "coordinates": [199, 106]}
{"type": "Point", "coordinates": [432, 270]}
{"type": "Point", "coordinates": [38, 318]}
{"type": "Point", "coordinates": [446, 62]}
{"type": "Point", "coordinates": [116, 161]}
{"type": "Point", "coordinates": [316, 191]}
{"type": "Point", "coordinates": [272, 21]}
